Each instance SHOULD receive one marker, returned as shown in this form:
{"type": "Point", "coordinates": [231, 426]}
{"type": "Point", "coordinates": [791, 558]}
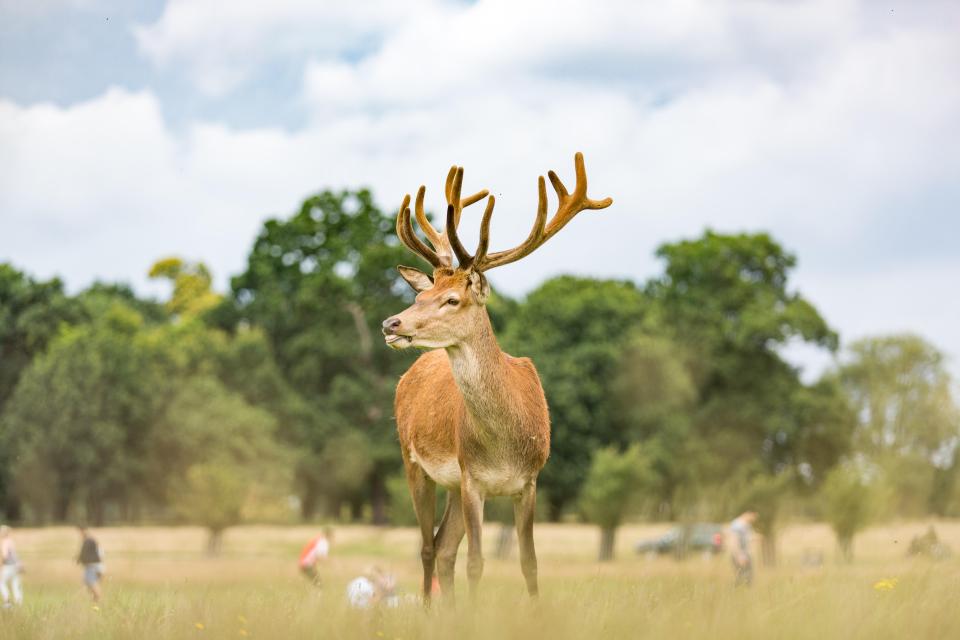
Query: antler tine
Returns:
{"type": "Point", "coordinates": [437, 239]}
{"type": "Point", "coordinates": [569, 206]}
{"type": "Point", "coordinates": [533, 238]}
{"type": "Point", "coordinates": [452, 190]}
{"type": "Point", "coordinates": [464, 259]}
{"type": "Point", "coordinates": [481, 253]}
{"type": "Point", "coordinates": [409, 238]}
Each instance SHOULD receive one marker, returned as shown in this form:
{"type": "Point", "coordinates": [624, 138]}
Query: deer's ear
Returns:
{"type": "Point", "coordinates": [415, 278]}
{"type": "Point", "coordinates": [479, 286]}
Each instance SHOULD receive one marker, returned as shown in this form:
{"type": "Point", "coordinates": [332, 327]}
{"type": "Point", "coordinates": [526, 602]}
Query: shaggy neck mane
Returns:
{"type": "Point", "coordinates": [479, 369]}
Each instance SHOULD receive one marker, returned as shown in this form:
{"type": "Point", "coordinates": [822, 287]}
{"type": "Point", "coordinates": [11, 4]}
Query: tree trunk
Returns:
{"type": "Point", "coordinates": [356, 509]}
{"type": "Point", "coordinates": [61, 508]}
{"type": "Point", "coordinates": [554, 510]}
{"type": "Point", "coordinates": [215, 542]}
{"type": "Point", "coordinates": [845, 544]}
{"type": "Point", "coordinates": [308, 502]}
{"type": "Point", "coordinates": [608, 537]}
{"type": "Point", "coordinates": [95, 512]}
{"type": "Point", "coordinates": [378, 499]}
{"type": "Point", "coordinates": [12, 508]}
{"type": "Point", "coordinates": [768, 549]}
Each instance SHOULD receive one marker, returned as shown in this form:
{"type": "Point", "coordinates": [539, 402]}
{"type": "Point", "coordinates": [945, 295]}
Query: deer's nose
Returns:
{"type": "Point", "coordinates": [390, 325]}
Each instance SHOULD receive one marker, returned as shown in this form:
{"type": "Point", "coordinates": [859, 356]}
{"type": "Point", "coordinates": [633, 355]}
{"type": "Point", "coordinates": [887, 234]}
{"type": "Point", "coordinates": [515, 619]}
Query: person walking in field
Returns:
{"type": "Point", "coordinates": [315, 552]}
{"type": "Point", "coordinates": [10, 570]}
{"type": "Point", "coordinates": [742, 530]}
{"type": "Point", "coordinates": [92, 561]}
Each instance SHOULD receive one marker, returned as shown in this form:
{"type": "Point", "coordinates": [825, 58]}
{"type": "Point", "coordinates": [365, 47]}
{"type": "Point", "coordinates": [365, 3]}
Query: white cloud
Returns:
{"type": "Point", "coordinates": [805, 119]}
{"type": "Point", "coordinates": [219, 43]}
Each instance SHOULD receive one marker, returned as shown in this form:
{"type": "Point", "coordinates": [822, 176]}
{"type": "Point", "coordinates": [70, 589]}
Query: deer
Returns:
{"type": "Point", "coordinates": [470, 417]}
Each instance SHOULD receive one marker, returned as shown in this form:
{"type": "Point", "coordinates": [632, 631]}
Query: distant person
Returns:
{"type": "Point", "coordinates": [315, 552]}
{"type": "Point", "coordinates": [373, 588]}
{"type": "Point", "coordinates": [742, 530]}
{"type": "Point", "coordinates": [92, 561]}
{"type": "Point", "coordinates": [10, 569]}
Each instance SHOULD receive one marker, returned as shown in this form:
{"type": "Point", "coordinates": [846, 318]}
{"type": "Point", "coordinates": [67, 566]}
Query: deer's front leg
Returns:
{"type": "Point", "coordinates": [423, 490]}
{"type": "Point", "coordinates": [524, 509]}
{"type": "Point", "coordinates": [472, 501]}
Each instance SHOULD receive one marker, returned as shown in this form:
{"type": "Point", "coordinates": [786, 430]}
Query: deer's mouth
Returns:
{"type": "Point", "coordinates": [397, 341]}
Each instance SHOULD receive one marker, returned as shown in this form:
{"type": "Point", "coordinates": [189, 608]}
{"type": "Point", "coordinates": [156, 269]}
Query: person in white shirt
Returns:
{"type": "Point", "coordinates": [742, 530]}
{"type": "Point", "coordinates": [10, 569]}
{"type": "Point", "coordinates": [373, 588]}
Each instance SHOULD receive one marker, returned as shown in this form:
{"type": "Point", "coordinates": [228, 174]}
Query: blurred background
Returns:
{"type": "Point", "coordinates": [197, 205]}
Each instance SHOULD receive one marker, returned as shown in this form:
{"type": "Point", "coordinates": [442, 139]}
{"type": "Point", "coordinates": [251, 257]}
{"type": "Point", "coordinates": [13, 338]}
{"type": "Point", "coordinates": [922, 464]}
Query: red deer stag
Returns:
{"type": "Point", "coordinates": [470, 417]}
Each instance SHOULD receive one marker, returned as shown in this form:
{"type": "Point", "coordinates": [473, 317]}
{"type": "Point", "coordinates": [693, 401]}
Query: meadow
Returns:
{"type": "Point", "coordinates": [161, 585]}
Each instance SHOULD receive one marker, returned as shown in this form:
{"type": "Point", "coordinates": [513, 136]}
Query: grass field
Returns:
{"type": "Point", "coordinates": [160, 585]}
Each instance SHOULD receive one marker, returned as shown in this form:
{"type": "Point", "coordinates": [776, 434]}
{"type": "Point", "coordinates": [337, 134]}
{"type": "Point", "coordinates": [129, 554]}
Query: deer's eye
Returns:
{"type": "Point", "coordinates": [452, 302]}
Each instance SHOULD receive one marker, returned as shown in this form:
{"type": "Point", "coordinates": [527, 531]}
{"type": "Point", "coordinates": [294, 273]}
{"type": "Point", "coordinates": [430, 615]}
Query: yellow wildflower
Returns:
{"type": "Point", "coordinates": [199, 626]}
{"type": "Point", "coordinates": [242, 619]}
{"type": "Point", "coordinates": [96, 608]}
{"type": "Point", "coordinates": [243, 632]}
{"type": "Point", "coordinates": [887, 584]}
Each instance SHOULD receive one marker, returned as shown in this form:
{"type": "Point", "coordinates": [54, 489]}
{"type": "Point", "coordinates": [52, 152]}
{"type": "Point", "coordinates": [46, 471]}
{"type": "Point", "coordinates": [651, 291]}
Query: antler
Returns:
{"type": "Point", "coordinates": [570, 205]}
{"type": "Point", "coordinates": [442, 253]}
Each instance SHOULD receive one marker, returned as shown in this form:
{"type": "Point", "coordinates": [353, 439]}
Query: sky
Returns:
{"type": "Point", "coordinates": [134, 131]}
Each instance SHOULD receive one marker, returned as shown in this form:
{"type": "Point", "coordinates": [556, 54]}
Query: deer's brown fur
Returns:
{"type": "Point", "coordinates": [470, 417]}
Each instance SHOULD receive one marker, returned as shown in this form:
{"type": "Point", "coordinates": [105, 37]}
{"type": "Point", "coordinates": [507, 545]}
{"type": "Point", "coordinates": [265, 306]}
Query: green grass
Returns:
{"type": "Point", "coordinates": [254, 592]}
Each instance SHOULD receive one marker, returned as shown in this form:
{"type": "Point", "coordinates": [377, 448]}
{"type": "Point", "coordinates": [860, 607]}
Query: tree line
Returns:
{"type": "Point", "coordinates": [669, 399]}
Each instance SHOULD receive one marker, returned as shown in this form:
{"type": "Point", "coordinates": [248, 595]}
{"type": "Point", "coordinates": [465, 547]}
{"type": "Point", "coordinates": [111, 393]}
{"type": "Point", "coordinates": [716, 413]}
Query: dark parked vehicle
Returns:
{"type": "Point", "coordinates": [681, 540]}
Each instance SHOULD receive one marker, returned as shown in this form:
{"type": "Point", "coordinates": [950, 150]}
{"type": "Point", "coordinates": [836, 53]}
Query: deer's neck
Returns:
{"type": "Point", "coordinates": [479, 368]}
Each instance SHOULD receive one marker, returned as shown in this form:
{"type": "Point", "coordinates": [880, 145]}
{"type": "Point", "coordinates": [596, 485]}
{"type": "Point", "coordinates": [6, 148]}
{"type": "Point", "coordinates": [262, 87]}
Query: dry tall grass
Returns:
{"type": "Point", "coordinates": [160, 585]}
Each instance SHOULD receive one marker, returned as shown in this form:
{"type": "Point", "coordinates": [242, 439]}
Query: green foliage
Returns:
{"type": "Point", "coordinates": [612, 484]}
{"type": "Point", "coordinates": [216, 458]}
{"type": "Point", "coordinates": [653, 395]}
{"type": "Point", "coordinates": [31, 315]}
{"type": "Point", "coordinates": [907, 421]}
{"type": "Point", "coordinates": [81, 412]}
{"type": "Point", "coordinates": [574, 329]}
{"type": "Point", "coordinates": [401, 508]}
{"type": "Point", "coordinates": [851, 500]}
{"type": "Point", "coordinates": [725, 298]}
{"type": "Point", "coordinates": [319, 284]}
{"type": "Point", "coordinates": [612, 487]}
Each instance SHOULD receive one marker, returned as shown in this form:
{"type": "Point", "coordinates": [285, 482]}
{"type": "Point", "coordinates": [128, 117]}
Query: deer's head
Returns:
{"type": "Point", "coordinates": [450, 304]}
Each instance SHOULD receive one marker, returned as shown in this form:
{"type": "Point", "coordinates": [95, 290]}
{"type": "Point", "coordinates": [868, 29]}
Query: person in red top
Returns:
{"type": "Point", "coordinates": [315, 552]}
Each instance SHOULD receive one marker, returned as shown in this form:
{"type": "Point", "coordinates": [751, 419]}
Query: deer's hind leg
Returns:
{"type": "Point", "coordinates": [423, 490]}
{"type": "Point", "coordinates": [447, 543]}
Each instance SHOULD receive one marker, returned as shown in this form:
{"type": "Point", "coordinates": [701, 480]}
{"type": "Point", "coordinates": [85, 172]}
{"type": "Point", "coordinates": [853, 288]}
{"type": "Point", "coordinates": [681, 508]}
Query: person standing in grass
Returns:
{"type": "Point", "coordinates": [92, 561]}
{"type": "Point", "coordinates": [10, 570]}
{"type": "Point", "coordinates": [742, 530]}
{"type": "Point", "coordinates": [315, 552]}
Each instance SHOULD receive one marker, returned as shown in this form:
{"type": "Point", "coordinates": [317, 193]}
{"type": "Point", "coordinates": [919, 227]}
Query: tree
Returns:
{"type": "Point", "coordinates": [80, 415]}
{"type": "Point", "coordinates": [32, 313]}
{"type": "Point", "coordinates": [611, 487]}
{"type": "Point", "coordinates": [575, 329]}
{"type": "Point", "coordinates": [319, 284]}
{"type": "Point", "coordinates": [907, 420]}
{"type": "Point", "coordinates": [725, 298]}
{"type": "Point", "coordinates": [216, 457]}
{"type": "Point", "coordinates": [850, 501]}
{"type": "Point", "coordinates": [653, 396]}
